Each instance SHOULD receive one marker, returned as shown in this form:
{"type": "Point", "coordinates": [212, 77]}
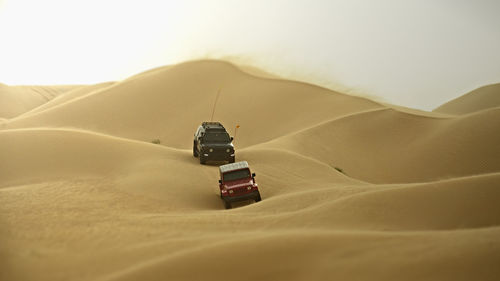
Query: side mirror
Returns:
{"type": "Point", "coordinates": [232, 138]}
{"type": "Point", "coordinates": [253, 175]}
{"type": "Point", "coordinates": [220, 181]}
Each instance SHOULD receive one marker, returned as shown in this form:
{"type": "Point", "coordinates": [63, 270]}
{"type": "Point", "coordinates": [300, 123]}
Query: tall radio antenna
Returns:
{"type": "Point", "coordinates": [215, 104]}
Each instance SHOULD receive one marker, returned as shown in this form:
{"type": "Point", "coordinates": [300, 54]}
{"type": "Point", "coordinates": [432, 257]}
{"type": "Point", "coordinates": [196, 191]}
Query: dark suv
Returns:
{"type": "Point", "coordinates": [212, 143]}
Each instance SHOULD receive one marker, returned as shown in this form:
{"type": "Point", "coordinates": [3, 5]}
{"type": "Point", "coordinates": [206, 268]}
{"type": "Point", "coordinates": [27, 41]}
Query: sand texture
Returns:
{"type": "Point", "coordinates": [352, 189]}
{"type": "Point", "coordinates": [17, 100]}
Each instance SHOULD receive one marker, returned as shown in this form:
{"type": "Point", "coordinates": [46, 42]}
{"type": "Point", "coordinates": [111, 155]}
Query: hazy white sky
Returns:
{"type": "Point", "coordinates": [414, 53]}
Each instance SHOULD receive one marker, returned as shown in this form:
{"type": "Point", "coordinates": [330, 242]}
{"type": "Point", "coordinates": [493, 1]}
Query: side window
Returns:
{"type": "Point", "coordinates": [200, 133]}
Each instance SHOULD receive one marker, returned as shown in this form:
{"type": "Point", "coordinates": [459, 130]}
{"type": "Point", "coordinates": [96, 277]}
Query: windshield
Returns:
{"type": "Point", "coordinates": [237, 175]}
{"type": "Point", "coordinates": [217, 137]}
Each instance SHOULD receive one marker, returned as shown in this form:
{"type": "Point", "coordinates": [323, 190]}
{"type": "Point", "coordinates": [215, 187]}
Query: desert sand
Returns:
{"type": "Point", "coordinates": [352, 189]}
{"type": "Point", "coordinates": [17, 100]}
{"type": "Point", "coordinates": [482, 98]}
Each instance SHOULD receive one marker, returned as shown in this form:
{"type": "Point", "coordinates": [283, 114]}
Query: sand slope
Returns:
{"type": "Point", "coordinates": [84, 195]}
{"type": "Point", "coordinates": [383, 146]}
{"type": "Point", "coordinates": [15, 100]}
{"type": "Point", "coordinates": [151, 105]}
{"type": "Point", "coordinates": [69, 96]}
{"type": "Point", "coordinates": [479, 99]}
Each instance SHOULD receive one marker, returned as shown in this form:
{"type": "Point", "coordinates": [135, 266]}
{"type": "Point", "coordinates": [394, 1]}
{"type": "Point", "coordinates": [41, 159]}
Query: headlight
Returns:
{"type": "Point", "coordinates": [227, 150]}
{"type": "Point", "coordinates": [230, 191]}
{"type": "Point", "coordinates": [249, 187]}
{"type": "Point", "coordinates": [211, 150]}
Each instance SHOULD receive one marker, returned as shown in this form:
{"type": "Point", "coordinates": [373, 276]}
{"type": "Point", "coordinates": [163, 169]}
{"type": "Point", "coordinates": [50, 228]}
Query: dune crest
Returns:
{"type": "Point", "coordinates": [479, 99]}
{"type": "Point", "coordinates": [388, 146]}
{"type": "Point", "coordinates": [153, 105]}
{"type": "Point", "coordinates": [16, 100]}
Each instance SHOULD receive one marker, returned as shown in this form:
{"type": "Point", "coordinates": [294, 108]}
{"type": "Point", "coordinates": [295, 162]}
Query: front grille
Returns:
{"type": "Point", "coordinates": [240, 190]}
{"type": "Point", "coordinates": [220, 150]}
{"type": "Point", "coordinates": [218, 153]}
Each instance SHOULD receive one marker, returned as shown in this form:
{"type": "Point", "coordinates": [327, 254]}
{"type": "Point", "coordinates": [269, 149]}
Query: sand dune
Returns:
{"type": "Point", "coordinates": [153, 105]}
{"type": "Point", "coordinates": [445, 205]}
{"type": "Point", "coordinates": [479, 99]}
{"type": "Point", "coordinates": [37, 154]}
{"type": "Point", "coordinates": [384, 146]}
{"type": "Point", "coordinates": [282, 256]}
{"type": "Point", "coordinates": [352, 189]}
{"type": "Point", "coordinates": [17, 100]}
{"type": "Point", "coordinates": [69, 96]}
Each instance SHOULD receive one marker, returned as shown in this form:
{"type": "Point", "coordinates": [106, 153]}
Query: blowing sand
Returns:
{"type": "Point", "coordinates": [352, 189]}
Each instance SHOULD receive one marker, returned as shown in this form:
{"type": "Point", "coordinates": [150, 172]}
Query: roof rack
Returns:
{"type": "Point", "coordinates": [212, 125]}
{"type": "Point", "coordinates": [233, 166]}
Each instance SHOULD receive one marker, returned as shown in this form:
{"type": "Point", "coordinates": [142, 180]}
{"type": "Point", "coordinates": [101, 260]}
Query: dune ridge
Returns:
{"type": "Point", "coordinates": [355, 144]}
{"type": "Point", "coordinates": [161, 96]}
{"type": "Point", "coordinates": [68, 96]}
{"type": "Point", "coordinates": [19, 99]}
{"type": "Point", "coordinates": [479, 99]}
{"type": "Point", "coordinates": [352, 189]}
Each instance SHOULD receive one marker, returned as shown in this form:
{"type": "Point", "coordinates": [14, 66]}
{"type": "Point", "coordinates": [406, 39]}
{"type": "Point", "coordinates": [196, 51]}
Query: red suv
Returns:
{"type": "Point", "coordinates": [237, 183]}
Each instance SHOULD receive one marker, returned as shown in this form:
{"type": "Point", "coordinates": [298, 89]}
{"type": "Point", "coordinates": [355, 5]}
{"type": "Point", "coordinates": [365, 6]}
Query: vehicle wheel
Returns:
{"type": "Point", "coordinates": [195, 149]}
{"type": "Point", "coordinates": [227, 204]}
{"type": "Point", "coordinates": [231, 160]}
{"type": "Point", "coordinates": [257, 199]}
{"type": "Point", "coordinates": [202, 159]}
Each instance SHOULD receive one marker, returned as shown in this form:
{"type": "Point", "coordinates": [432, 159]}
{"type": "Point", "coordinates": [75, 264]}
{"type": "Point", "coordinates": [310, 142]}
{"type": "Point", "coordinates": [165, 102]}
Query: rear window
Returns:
{"type": "Point", "coordinates": [236, 175]}
{"type": "Point", "coordinates": [217, 137]}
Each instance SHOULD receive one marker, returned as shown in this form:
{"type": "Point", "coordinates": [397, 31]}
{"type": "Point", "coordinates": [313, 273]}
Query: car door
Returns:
{"type": "Point", "coordinates": [199, 134]}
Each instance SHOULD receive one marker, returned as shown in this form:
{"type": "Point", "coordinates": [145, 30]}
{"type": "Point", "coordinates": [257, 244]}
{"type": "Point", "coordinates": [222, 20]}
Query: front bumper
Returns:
{"type": "Point", "coordinates": [242, 197]}
{"type": "Point", "coordinates": [218, 157]}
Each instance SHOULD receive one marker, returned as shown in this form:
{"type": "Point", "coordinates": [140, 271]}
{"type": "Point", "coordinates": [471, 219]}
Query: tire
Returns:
{"type": "Point", "coordinates": [195, 149]}
{"type": "Point", "coordinates": [257, 199]}
{"type": "Point", "coordinates": [202, 159]}
{"type": "Point", "coordinates": [231, 160]}
{"type": "Point", "coordinates": [227, 205]}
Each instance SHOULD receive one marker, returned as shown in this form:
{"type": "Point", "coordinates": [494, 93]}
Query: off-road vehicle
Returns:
{"type": "Point", "coordinates": [212, 143]}
{"type": "Point", "coordinates": [237, 183]}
